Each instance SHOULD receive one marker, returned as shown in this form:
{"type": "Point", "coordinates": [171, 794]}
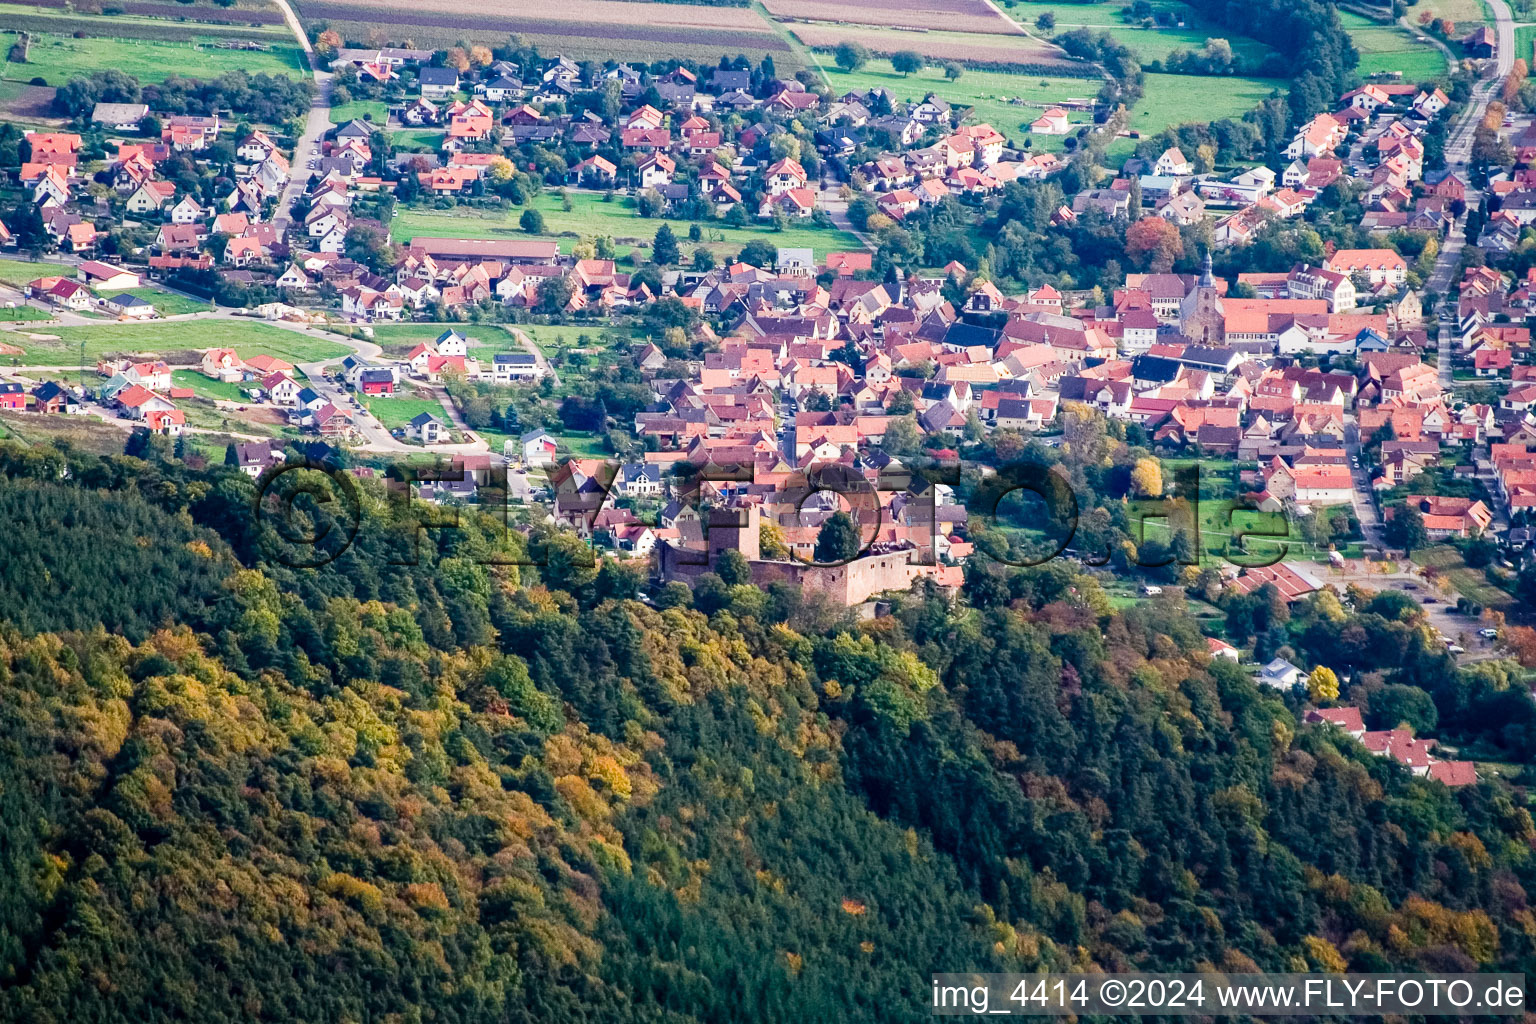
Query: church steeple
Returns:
{"type": "Point", "coordinates": [1207, 278]}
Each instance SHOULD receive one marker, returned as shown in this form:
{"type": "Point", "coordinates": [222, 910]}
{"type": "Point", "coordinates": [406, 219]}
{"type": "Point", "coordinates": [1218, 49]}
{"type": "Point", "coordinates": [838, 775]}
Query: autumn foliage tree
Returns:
{"type": "Point", "coordinates": [1323, 684]}
{"type": "Point", "coordinates": [1153, 244]}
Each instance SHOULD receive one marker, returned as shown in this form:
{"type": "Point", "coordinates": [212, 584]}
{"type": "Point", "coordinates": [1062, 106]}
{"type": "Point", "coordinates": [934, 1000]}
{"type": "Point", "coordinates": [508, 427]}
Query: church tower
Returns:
{"type": "Point", "coordinates": [1201, 317]}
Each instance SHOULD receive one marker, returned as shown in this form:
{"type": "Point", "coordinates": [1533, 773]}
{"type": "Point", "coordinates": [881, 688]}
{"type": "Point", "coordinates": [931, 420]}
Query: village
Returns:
{"type": "Point", "coordinates": [1378, 399]}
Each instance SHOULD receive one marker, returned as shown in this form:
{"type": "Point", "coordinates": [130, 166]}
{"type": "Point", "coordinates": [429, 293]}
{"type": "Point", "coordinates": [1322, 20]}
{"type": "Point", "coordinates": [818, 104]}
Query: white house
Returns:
{"type": "Point", "coordinates": [1172, 164]}
{"type": "Point", "coordinates": [507, 367]}
{"type": "Point", "coordinates": [537, 448]}
{"type": "Point", "coordinates": [425, 428]}
{"type": "Point", "coordinates": [186, 212]}
{"type": "Point", "coordinates": [1280, 674]}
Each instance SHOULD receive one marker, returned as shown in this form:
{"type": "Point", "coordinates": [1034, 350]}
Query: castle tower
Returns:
{"type": "Point", "coordinates": [735, 529]}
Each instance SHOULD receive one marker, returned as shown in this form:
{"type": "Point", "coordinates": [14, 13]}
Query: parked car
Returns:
{"type": "Point", "coordinates": [1488, 633]}
{"type": "Point", "coordinates": [1455, 649]}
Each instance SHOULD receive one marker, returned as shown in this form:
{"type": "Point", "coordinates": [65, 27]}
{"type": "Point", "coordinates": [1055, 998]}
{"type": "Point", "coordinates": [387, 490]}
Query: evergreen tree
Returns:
{"type": "Point", "coordinates": [838, 539]}
{"type": "Point", "coordinates": [664, 248]}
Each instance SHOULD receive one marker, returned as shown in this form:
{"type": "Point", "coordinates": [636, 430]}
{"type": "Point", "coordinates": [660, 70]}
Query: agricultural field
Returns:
{"type": "Point", "coordinates": [965, 47]}
{"type": "Point", "coordinates": [1007, 102]}
{"type": "Point", "coordinates": [955, 15]}
{"type": "Point", "coordinates": [241, 13]}
{"type": "Point", "coordinates": [1392, 48]}
{"type": "Point", "coordinates": [590, 216]}
{"type": "Point", "coordinates": [248, 338]}
{"type": "Point", "coordinates": [1469, 582]}
{"type": "Point", "coordinates": [1525, 42]}
{"type": "Point", "coordinates": [582, 29]}
{"type": "Point", "coordinates": [58, 58]}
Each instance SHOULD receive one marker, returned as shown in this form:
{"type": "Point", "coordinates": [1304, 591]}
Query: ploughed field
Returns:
{"type": "Point", "coordinates": [576, 28]}
{"type": "Point", "coordinates": [967, 47]}
{"type": "Point", "coordinates": [950, 15]}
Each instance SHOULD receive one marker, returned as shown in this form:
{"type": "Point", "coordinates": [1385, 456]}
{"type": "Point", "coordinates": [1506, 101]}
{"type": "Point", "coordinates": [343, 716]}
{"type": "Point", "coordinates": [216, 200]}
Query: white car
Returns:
{"type": "Point", "coordinates": [1488, 633]}
{"type": "Point", "coordinates": [1455, 649]}
{"type": "Point", "coordinates": [1151, 591]}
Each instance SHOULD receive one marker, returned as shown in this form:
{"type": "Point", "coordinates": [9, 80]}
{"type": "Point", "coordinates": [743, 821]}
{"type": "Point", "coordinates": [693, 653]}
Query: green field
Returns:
{"type": "Point", "coordinates": [341, 113]}
{"type": "Point", "coordinates": [1149, 43]}
{"type": "Point", "coordinates": [166, 303]}
{"type": "Point", "coordinates": [17, 273]}
{"type": "Point", "coordinates": [203, 387]}
{"type": "Point", "coordinates": [1005, 101]}
{"type": "Point", "coordinates": [1391, 48]}
{"type": "Point", "coordinates": [58, 58]}
{"type": "Point", "coordinates": [17, 314]}
{"type": "Point", "coordinates": [1178, 99]}
{"type": "Point", "coordinates": [417, 140]}
{"type": "Point", "coordinates": [246, 338]}
{"type": "Point", "coordinates": [397, 412]}
{"type": "Point", "coordinates": [590, 216]}
{"type": "Point", "coordinates": [1525, 42]}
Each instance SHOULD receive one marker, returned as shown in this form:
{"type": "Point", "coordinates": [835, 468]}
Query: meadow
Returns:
{"type": "Point", "coordinates": [247, 338]}
{"type": "Point", "coordinates": [1391, 48]}
{"type": "Point", "coordinates": [1178, 99]}
{"type": "Point", "coordinates": [58, 58]}
{"type": "Point", "coordinates": [17, 273]}
{"type": "Point", "coordinates": [590, 216]}
{"type": "Point", "coordinates": [1149, 44]}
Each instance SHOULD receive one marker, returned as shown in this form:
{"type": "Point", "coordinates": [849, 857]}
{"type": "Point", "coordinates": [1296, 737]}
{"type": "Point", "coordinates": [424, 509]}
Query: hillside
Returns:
{"type": "Point", "coordinates": [447, 792]}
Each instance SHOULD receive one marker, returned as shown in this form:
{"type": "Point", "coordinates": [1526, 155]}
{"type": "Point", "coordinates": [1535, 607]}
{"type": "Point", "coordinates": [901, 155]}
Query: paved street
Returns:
{"type": "Point", "coordinates": [307, 148]}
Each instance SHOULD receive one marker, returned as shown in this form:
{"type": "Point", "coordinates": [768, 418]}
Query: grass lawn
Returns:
{"type": "Point", "coordinates": [417, 140]}
{"type": "Point", "coordinates": [16, 314]}
{"type": "Point", "coordinates": [210, 389]}
{"type": "Point", "coordinates": [397, 412]}
{"type": "Point", "coordinates": [246, 338]}
{"type": "Point", "coordinates": [590, 216]}
{"type": "Point", "coordinates": [58, 58]}
{"type": "Point", "coordinates": [1391, 48]}
{"type": "Point", "coordinates": [166, 303]}
{"type": "Point", "coordinates": [341, 113]}
{"type": "Point", "coordinates": [1005, 101]}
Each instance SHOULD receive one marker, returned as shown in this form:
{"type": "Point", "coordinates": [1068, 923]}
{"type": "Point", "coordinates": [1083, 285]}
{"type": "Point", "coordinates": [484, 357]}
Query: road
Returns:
{"type": "Point", "coordinates": [307, 147]}
{"type": "Point", "coordinates": [1458, 154]}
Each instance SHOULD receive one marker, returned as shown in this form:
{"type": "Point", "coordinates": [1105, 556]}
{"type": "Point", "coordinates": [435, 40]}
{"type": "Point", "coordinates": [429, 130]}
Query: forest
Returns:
{"type": "Point", "coordinates": [475, 775]}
